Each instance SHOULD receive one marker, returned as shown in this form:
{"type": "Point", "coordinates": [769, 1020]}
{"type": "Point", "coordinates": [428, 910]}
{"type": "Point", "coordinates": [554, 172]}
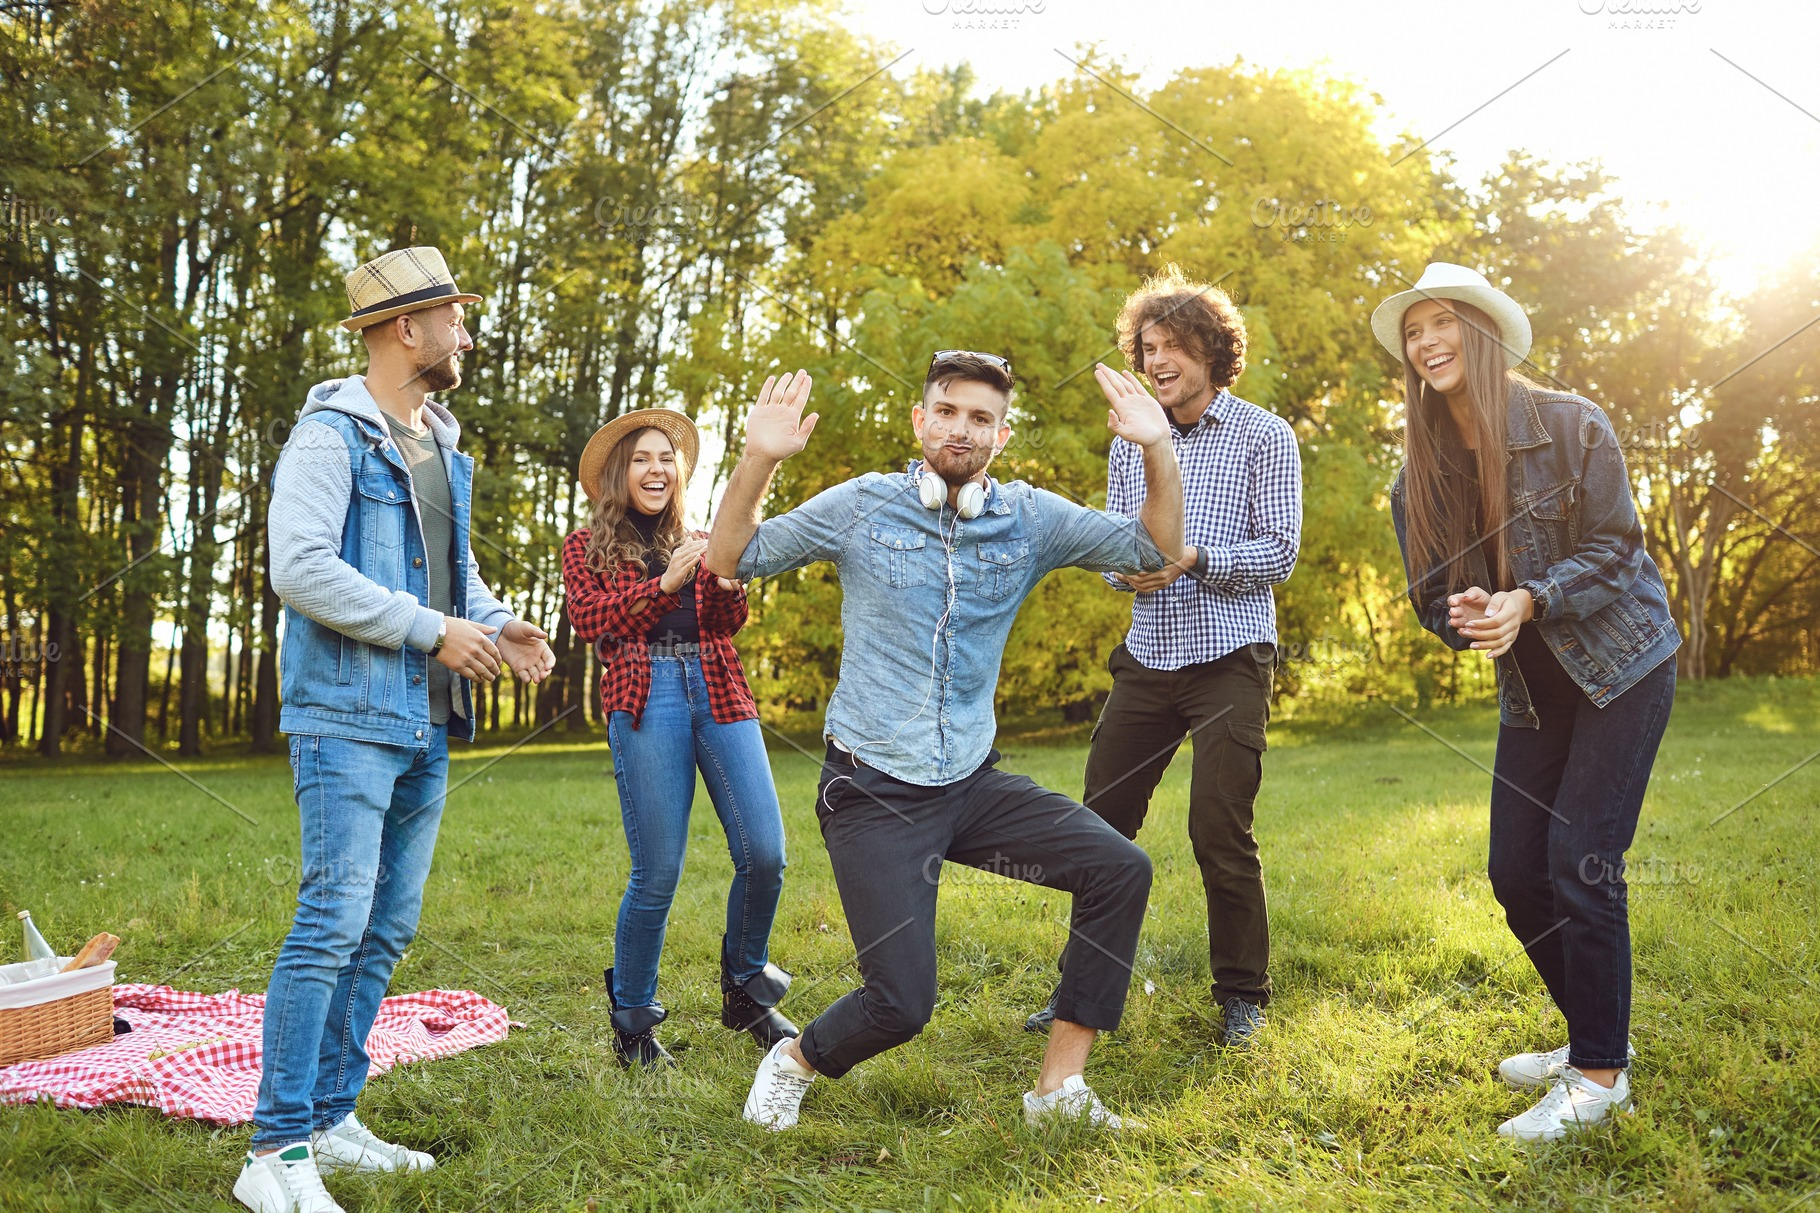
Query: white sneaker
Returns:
{"type": "Point", "coordinates": [285, 1182]}
{"type": "Point", "coordinates": [777, 1090]}
{"type": "Point", "coordinates": [1573, 1102]}
{"type": "Point", "coordinates": [1074, 1100]}
{"type": "Point", "coordinates": [351, 1146]}
{"type": "Point", "coordinates": [1526, 1070]}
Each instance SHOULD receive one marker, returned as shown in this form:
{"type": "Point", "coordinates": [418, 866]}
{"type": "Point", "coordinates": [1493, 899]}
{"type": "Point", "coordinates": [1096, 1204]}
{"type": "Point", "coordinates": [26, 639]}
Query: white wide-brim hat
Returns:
{"type": "Point", "coordinates": [1442, 280]}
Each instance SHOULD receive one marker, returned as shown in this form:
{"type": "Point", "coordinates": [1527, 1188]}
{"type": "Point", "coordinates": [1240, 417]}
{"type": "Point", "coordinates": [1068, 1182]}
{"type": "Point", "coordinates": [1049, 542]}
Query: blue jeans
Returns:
{"type": "Point", "coordinates": [1564, 809]}
{"type": "Point", "coordinates": [654, 766]}
{"type": "Point", "coordinates": [369, 815]}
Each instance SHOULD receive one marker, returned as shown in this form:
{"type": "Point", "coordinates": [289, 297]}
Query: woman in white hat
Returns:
{"type": "Point", "coordinates": [1521, 540]}
{"type": "Point", "coordinates": [676, 701]}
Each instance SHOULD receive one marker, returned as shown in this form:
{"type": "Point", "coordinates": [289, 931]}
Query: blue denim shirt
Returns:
{"type": "Point", "coordinates": [927, 601]}
{"type": "Point", "coordinates": [1575, 543]}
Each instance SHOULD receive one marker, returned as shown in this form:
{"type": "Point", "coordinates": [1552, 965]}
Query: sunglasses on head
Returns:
{"type": "Point", "coordinates": [994, 359]}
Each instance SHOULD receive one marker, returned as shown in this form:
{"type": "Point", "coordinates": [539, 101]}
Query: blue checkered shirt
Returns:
{"type": "Point", "coordinates": [1242, 486]}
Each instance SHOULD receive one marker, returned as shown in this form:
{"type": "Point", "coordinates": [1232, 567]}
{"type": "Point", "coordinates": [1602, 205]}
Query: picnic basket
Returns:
{"type": "Point", "coordinates": [46, 1013]}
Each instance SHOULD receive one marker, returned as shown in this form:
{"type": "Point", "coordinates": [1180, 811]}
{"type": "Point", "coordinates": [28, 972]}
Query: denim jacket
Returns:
{"type": "Point", "coordinates": [347, 558]}
{"type": "Point", "coordinates": [1575, 543]}
{"type": "Point", "coordinates": [927, 602]}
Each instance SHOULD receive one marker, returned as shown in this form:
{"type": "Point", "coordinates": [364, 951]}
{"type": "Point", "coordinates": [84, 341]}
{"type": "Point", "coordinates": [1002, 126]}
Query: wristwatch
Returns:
{"type": "Point", "coordinates": [442, 634]}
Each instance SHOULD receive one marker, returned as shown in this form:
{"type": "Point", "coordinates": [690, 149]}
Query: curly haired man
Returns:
{"type": "Point", "coordinates": [1201, 652]}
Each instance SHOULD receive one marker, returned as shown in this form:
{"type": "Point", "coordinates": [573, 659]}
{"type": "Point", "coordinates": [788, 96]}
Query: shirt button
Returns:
{"type": "Point", "coordinates": [417, 678]}
{"type": "Point", "coordinates": [391, 493]}
{"type": "Point", "coordinates": [417, 562]}
{"type": "Point", "coordinates": [420, 734]}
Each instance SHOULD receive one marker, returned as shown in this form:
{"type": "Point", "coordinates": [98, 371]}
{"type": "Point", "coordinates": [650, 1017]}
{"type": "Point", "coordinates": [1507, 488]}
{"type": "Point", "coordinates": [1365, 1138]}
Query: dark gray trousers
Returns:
{"type": "Point", "coordinates": [887, 841]}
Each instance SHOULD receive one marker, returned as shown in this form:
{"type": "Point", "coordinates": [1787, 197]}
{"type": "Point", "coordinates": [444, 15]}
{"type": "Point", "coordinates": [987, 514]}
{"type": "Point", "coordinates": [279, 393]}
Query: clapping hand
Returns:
{"type": "Point", "coordinates": [1490, 621]}
{"type": "Point", "coordinates": [525, 647]}
{"type": "Point", "coordinates": [683, 562]}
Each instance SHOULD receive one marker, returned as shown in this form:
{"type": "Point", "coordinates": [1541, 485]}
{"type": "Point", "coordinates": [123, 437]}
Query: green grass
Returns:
{"type": "Point", "coordinates": [1373, 1087]}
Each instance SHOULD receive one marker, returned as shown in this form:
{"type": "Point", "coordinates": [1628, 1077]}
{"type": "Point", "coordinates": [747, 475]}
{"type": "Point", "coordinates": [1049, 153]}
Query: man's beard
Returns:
{"type": "Point", "coordinates": [441, 375]}
{"type": "Point", "coordinates": [956, 469]}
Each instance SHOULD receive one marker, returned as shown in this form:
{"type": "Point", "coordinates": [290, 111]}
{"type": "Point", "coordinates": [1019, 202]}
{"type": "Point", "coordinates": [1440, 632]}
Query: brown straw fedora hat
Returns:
{"type": "Point", "coordinates": [678, 428]}
{"type": "Point", "coordinates": [404, 280]}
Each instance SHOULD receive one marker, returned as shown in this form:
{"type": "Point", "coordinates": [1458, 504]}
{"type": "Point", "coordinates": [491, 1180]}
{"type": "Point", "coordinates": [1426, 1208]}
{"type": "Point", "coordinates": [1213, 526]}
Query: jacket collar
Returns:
{"type": "Point", "coordinates": [350, 396]}
{"type": "Point", "coordinates": [1525, 420]}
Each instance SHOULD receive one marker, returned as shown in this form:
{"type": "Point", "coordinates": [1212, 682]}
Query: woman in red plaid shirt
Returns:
{"type": "Point", "coordinates": [676, 700]}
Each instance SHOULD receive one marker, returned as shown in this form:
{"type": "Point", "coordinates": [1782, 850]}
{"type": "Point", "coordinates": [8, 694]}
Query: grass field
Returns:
{"type": "Point", "coordinates": [1374, 1086]}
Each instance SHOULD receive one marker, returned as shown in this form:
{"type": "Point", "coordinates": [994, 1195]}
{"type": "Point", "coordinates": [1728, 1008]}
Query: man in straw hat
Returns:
{"type": "Point", "coordinates": [387, 621]}
{"type": "Point", "coordinates": [934, 563]}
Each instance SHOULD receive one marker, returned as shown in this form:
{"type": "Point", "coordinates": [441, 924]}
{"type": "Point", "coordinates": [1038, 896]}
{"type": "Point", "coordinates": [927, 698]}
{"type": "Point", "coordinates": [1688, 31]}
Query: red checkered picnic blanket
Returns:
{"type": "Point", "coordinates": [197, 1055]}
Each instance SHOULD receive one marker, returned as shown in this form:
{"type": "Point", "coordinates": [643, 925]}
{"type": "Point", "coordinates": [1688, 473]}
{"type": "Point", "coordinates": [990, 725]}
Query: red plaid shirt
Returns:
{"type": "Point", "coordinates": [620, 611]}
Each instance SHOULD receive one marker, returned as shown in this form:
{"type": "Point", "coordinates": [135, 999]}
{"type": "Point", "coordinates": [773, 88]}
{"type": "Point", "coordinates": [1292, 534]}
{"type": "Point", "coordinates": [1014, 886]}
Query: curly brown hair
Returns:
{"type": "Point", "coordinates": [1198, 315]}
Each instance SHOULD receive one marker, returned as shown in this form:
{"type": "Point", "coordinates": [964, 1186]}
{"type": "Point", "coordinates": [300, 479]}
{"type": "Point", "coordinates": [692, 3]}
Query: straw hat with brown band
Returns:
{"type": "Point", "coordinates": [675, 426]}
{"type": "Point", "coordinates": [404, 280]}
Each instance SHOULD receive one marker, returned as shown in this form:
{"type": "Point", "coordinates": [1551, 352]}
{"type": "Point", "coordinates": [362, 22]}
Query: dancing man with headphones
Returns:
{"type": "Point", "coordinates": [934, 562]}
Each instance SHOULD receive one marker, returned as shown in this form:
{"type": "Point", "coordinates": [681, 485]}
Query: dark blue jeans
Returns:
{"type": "Point", "coordinates": [369, 814]}
{"type": "Point", "coordinates": [1564, 807]}
{"type": "Point", "coordinates": [654, 766]}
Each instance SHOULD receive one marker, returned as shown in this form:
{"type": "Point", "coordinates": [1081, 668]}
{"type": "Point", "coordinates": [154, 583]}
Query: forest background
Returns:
{"type": "Point", "coordinates": [664, 202]}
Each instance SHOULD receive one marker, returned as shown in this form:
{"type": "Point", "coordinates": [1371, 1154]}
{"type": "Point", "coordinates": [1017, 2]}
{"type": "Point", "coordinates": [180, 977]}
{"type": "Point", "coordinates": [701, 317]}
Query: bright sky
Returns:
{"type": "Point", "coordinates": [1662, 92]}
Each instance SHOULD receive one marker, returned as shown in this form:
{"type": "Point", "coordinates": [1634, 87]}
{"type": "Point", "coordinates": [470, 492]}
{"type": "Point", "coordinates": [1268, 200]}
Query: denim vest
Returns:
{"type": "Point", "coordinates": [336, 686]}
{"type": "Point", "coordinates": [1575, 543]}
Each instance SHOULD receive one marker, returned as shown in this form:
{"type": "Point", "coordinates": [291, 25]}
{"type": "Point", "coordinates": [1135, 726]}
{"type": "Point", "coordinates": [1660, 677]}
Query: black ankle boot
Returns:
{"type": "Point", "coordinates": [747, 1006]}
{"type": "Point", "coordinates": [635, 1033]}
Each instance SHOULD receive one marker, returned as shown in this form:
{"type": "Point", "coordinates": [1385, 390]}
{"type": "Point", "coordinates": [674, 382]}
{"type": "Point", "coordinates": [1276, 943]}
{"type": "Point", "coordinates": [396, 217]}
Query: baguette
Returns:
{"type": "Point", "coordinates": [94, 952]}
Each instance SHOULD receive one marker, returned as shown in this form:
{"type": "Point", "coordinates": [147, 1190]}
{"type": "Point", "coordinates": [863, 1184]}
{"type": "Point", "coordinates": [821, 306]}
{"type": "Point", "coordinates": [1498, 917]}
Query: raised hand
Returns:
{"type": "Point", "coordinates": [524, 647]}
{"type": "Point", "coordinates": [776, 428]}
{"type": "Point", "coordinates": [1135, 415]}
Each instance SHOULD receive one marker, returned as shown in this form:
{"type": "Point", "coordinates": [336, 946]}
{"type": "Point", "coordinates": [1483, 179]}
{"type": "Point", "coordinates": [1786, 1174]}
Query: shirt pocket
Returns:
{"type": "Point", "coordinates": [1003, 565]}
{"type": "Point", "coordinates": [384, 506]}
{"type": "Point", "coordinates": [1547, 518]}
{"type": "Point", "coordinates": [895, 556]}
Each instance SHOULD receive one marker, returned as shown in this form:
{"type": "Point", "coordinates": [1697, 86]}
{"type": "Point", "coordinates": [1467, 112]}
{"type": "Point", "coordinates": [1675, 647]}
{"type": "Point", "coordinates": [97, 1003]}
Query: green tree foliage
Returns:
{"type": "Point", "coordinates": [663, 202]}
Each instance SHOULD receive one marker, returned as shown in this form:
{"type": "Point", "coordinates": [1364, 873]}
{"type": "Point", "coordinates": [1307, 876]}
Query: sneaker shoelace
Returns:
{"type": "Point", "coordinates": [301, 1181]}
{"type": "Point", "coordinates": [352, 1130]}
{"type": "Point", "coordinates": [1559, 1099]}
{"type": "Point", "coordinates": [785, 1094]}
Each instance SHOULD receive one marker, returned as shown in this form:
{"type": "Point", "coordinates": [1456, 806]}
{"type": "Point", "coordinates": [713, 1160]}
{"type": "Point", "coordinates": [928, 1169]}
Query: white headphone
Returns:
{"type": "Point", "coordinates": [932, 491]}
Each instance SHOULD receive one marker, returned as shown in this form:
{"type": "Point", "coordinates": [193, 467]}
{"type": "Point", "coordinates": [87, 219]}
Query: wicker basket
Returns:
{"type": "Point", "coordinates": [61, 1013]}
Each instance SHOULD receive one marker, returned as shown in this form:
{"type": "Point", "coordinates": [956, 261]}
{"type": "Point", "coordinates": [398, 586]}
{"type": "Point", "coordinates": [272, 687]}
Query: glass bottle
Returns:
{"type": "Point", "coordinates": [35, 947]}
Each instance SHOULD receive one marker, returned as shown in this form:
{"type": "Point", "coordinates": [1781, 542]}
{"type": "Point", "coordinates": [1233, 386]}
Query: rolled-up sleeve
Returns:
{"type": "Point", "coordinates": [817, 529]}
{"type": "Point", "coordinates": [1074, 536]}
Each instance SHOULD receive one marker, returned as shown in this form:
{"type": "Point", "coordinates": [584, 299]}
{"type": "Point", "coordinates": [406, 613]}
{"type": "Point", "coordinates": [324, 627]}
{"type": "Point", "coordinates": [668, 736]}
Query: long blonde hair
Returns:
{"type": "Point", "coordinates": [1437, 510]}
{"type": "Point", "coordinates": [612, 539]}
